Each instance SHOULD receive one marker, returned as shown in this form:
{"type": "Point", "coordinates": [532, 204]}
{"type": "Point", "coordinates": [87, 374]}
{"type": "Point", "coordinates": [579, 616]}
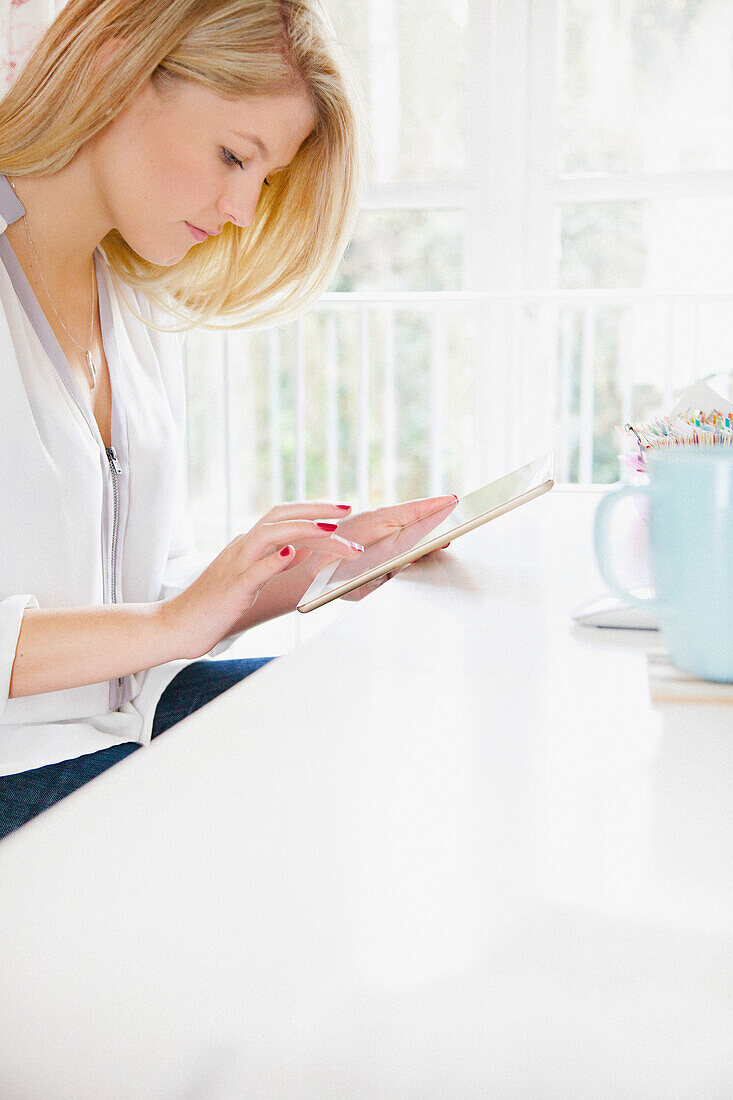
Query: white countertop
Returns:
{"type": "Point", "coordinates": [446, 848]}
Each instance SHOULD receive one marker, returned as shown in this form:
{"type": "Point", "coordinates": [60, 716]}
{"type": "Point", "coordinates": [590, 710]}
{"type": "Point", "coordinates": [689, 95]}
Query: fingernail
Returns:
{"type": "Point", "coordinates": [344, 507]}
{"type": "Point", "coordinates": [356, 546]}
{"type": "Point", "coordinates": [328, 526]}
{"type": "Point", "coordinates": [455, 497]}
{"type": "Point", "coordinates": [286, 551]}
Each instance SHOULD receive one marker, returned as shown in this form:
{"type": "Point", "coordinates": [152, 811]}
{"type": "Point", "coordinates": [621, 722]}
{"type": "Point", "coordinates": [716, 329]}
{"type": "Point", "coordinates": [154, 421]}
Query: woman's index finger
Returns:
{"type": "Point", "coordinates": [308, 509]}
{"type": "Point", "coordinates": [410, 510]}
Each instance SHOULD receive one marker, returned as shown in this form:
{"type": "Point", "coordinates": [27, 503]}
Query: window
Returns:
{"type": "Point", "coordinates": [543, 253]}
{"type": "Point", "coordinates": [411, 60]}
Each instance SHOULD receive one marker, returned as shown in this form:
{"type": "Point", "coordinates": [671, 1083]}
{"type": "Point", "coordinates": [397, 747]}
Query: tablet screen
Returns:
{"type": "Point", "coordinates": [414, 540]}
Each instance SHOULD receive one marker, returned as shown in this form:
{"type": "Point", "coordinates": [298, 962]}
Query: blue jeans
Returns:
{"type": "Point", "coordinates": [26, 794]}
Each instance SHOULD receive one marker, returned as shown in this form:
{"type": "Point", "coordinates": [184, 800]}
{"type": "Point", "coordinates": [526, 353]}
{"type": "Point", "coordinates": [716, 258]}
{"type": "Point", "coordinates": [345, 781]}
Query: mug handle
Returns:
{"type": "Point", "coordinates": [600, 537]}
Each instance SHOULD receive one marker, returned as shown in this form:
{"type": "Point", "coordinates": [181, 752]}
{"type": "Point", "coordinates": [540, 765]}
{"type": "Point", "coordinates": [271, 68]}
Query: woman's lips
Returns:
{"type": "Point", "coordinates": [197, 234]}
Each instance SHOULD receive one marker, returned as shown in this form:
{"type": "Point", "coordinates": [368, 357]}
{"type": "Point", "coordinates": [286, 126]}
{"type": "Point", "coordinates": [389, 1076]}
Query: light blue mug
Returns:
{"type": "Point", "coordinates": [690, 494]}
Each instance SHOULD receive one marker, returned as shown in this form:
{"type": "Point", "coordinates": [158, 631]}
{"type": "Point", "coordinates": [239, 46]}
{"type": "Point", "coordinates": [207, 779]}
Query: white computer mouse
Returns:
{"type": "Point", "coordinates": [610, 611]}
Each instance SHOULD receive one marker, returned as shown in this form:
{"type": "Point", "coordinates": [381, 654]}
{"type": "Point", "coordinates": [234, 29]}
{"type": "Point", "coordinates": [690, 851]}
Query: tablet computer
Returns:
{"type": "Point", "coordinates": [406, 544]}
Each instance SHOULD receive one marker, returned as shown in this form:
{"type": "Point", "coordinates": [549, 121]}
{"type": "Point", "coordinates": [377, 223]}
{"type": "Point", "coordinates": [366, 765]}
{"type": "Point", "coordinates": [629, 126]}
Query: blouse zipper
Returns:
{"type": "Point", "coordinates": [115, 469]}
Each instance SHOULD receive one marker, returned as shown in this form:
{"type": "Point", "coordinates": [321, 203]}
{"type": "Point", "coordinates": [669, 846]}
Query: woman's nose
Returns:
{"type": "Point", "coordinates": [238, 205]}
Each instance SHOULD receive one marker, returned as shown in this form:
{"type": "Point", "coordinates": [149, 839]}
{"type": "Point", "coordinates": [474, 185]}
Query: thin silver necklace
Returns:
{"type": "Point", "coordinates": [87, 351]}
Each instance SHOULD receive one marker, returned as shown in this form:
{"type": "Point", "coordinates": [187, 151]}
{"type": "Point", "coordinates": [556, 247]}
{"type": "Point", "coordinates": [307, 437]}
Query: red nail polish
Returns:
{"type": "Point", "coordinates": [344, 507]}
{"type": "Point", "coordinates": [286, 551]}
{"type": "Point", "coordinates": [328, 526]}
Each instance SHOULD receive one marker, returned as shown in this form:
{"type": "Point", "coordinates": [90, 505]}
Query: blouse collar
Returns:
{"type": "Point", "coordinates": [11, 208]}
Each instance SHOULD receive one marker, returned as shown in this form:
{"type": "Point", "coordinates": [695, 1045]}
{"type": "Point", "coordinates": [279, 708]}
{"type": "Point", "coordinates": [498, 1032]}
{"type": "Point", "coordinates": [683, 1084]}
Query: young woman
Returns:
{"type": "Point", "coordinates": [161, 161]}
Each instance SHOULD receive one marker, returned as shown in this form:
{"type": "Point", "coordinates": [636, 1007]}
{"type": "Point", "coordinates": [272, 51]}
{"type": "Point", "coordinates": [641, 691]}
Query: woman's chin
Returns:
{"type": "Point", "coordinates": [160, 259]}
{"type": "Point", "coordinates": [161, 255]}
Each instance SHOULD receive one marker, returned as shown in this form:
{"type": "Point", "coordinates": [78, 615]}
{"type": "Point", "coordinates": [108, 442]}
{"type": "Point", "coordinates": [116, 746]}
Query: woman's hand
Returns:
{"type": "Point", "coordinates": [212, 606]}
{"type": "Point", "coordinates": [395, 529]}
{"type": "Point", "coordinates": [381, 523]}
{"type": "Point", "coordinates": [284, 591]}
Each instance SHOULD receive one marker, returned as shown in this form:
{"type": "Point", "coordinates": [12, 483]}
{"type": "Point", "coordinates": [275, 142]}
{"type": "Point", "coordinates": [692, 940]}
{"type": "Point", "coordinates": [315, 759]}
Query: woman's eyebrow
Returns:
{"type": "Point", "coordinates": [255, 141]}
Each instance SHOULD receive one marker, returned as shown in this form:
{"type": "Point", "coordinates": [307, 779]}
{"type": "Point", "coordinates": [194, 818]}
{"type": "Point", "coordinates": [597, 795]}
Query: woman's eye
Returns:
{"type": "Point", "coordinates": [229, 158]}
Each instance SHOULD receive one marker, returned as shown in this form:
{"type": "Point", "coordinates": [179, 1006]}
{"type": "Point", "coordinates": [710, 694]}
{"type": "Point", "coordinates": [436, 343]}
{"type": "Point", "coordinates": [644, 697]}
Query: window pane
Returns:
{"type": "Point", "coordinates": [646, 84]}
{"type": "Point", "coordinates": [404, 250]}
{"type": "Point", "coordinates": [662, 244]}
{"type": "Point", "coordinates": [411, 58]}
{"type": "Point", "coordinates": [603, 245]}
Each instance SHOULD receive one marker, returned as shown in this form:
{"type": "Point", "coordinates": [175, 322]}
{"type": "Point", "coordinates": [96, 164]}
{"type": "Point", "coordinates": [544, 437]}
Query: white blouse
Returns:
{"type": "Point", "coordinates": [82, 526]}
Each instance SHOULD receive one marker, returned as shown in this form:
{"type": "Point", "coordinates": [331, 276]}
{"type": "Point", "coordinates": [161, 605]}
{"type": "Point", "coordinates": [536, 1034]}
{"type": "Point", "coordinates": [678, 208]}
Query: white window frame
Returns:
{"type": "Point", "coordinates": [513, 193]}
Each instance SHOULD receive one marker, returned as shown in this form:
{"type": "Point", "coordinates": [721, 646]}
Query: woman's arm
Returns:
{"type": "Point", "coordinates": [66, 648]}
{"type": "Point", "coordinates": [69, 647]}
{"type": "Point", "coordinates": [283, 593]}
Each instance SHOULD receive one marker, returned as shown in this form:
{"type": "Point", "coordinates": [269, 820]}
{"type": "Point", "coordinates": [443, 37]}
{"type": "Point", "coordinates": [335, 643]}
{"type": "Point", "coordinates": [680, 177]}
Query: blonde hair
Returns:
{"type": "Point", "coordinates": [270, 270]}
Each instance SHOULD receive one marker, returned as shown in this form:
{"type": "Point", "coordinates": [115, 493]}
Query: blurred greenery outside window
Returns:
{"type": "Point", "coordinates": [636, 193]}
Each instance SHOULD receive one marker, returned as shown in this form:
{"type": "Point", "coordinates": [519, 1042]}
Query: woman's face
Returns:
{"type": "Point", "coordinates": [186, 155]}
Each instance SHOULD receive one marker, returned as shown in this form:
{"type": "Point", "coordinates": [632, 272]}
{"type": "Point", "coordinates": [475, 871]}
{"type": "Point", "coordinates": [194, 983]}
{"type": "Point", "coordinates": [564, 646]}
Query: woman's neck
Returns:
{"type": "Point", "coordinates": [66, 218]}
